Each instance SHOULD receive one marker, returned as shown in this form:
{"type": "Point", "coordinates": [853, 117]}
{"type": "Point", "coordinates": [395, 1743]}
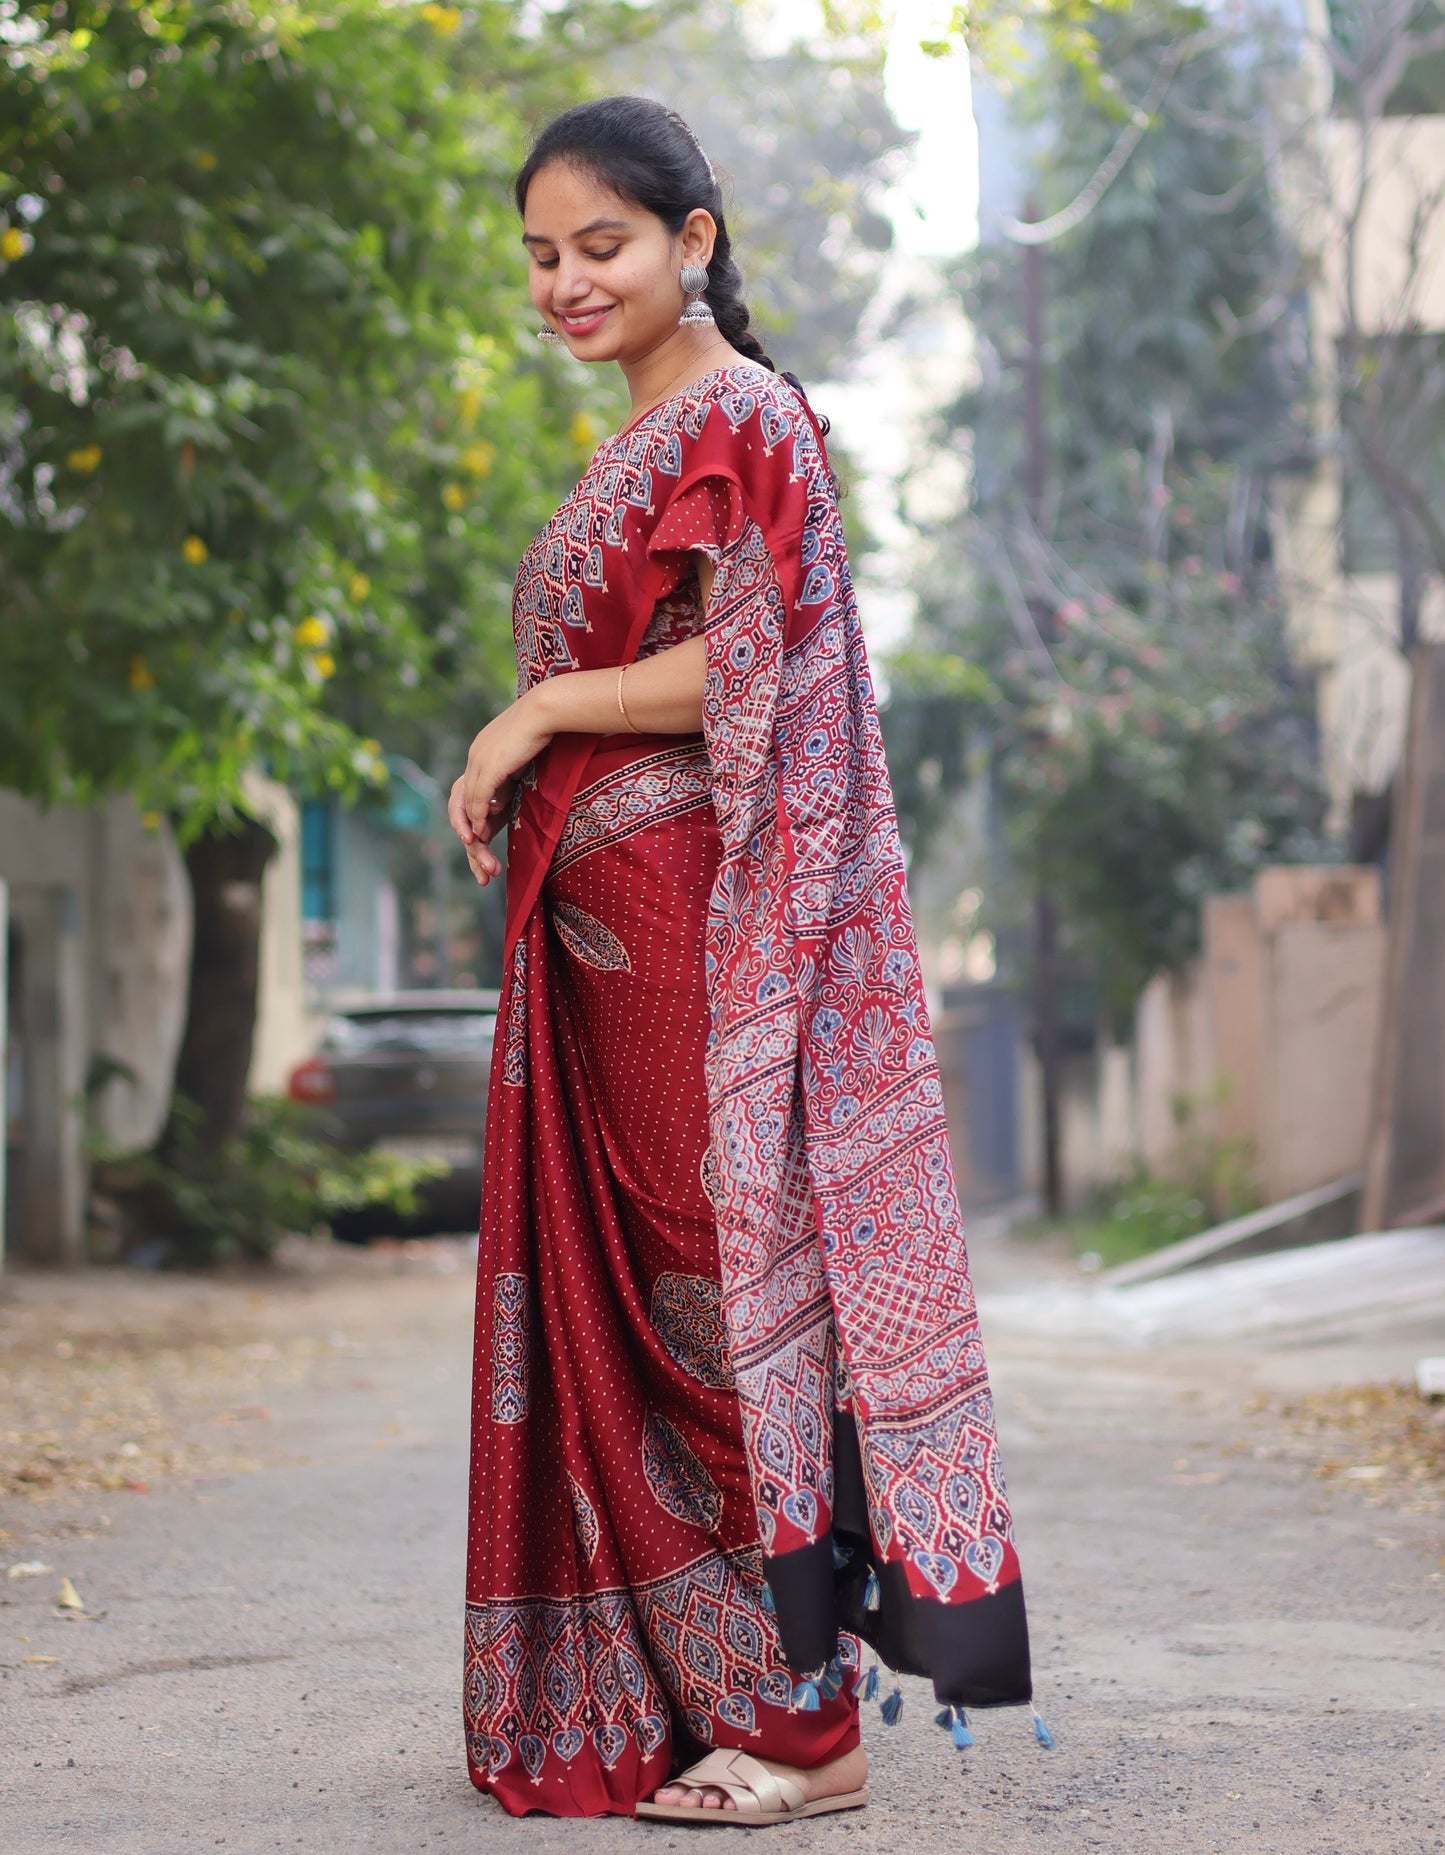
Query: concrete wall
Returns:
{"type": "Point", "coordinates": [101, 912]}
{"type": "Point", "coordinates": [286, 1027]}
{"type": "Point", "coordinates": [100, 906]}
{"type": "Point", "coordinates": [1406, 1174]}
{"type": "Point", "coordinates": [1270, 1034]}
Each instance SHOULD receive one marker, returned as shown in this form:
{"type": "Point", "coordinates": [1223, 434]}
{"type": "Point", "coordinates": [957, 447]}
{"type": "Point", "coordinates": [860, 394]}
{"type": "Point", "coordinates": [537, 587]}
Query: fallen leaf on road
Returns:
{"type": "Point", "coordinates": [40, 1661]}
{"type": "Point", "coordinates": [29, 1568]}
{"type": "Point", "coordinates": [137, 1487]}
{"type": "Point", "coordinates": [69, 1598]}
{"type": "Point", "coordinates": [1366, 1471]}
{"type": "Point", "coordinates": [1206, 1478]}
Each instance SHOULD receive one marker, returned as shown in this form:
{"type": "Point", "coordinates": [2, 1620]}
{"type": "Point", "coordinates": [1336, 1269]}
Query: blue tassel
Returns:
{"type": "Point", "coordinates": [870, 1684]}
{"type": "Point", "coordinates": [766, 1598]}
{"type": "Point", "coordinates": [805, 1696]}
{"type": "Point", "coordinates": [1041, 1732]}
{"type": "Point", "coordinates": [892, 1707]}
{"type": "Point", "coordinates": [832, 1683]}
{"type": "Point", "coordinates": [871, 1591]}
{"type": "Point", "coordinates": [954, 1721]}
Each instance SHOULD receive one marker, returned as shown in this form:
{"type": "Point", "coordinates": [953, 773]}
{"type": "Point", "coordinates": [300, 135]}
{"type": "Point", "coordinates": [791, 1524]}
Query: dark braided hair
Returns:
{"type": "Point", "coordinates": [646, 153]}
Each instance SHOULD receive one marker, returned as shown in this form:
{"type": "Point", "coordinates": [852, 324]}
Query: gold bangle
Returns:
{"type": "Point", "coordinates": [622, 706]}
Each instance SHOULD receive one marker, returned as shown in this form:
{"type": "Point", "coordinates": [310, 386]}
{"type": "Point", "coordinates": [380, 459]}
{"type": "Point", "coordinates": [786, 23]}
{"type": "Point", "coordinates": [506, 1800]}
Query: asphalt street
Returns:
{"type": "Point", "coordinates": [1232, 1652]}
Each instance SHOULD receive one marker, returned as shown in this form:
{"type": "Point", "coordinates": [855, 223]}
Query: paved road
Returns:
{"type": "Point", "coordinates": [1232, 1653]}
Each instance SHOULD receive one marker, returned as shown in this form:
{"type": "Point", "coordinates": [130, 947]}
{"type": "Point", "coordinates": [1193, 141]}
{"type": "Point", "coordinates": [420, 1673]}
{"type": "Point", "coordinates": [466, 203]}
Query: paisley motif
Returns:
{"type": "Point", "coordinates": [687, 1314]}
{"type": "Point", "coordinates": [679, 1481]}
{"type": "Point", "coordinates": [589, 940]}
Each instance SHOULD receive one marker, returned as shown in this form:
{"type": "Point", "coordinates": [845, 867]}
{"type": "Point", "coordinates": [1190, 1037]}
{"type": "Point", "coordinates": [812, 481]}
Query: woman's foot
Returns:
{"type": "Point", "coordinates": [841, 1775]}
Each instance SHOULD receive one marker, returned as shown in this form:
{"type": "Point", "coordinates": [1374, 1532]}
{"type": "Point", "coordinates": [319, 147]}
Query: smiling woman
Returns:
{"type": "Point", "coordinates": [731, 1413]}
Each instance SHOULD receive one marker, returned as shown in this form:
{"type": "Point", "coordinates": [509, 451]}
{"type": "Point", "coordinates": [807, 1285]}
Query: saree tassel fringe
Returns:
{"type": "Point", "coordinates": [1041, 1732]}
{"type": "Point", "coordinates": [892, 1708]}
{"type": "Point", "coordinates": [805, 1695]}
{"type": "Point", "coordinates": [866, 1686]}
{"type": "Point", "coordinates": [954, 1720]}
{"type": "Point", "coordinates": [831, 1685]}
{"type": "Point", "coordinates": [871, 1592]}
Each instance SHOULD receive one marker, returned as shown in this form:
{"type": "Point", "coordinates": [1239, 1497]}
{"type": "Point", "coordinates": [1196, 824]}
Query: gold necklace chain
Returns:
{"type": "Point", "coordinates": [679, 380]}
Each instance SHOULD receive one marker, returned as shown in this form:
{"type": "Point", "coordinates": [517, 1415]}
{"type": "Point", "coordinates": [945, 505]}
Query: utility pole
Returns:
{"type": "Point", "coordinates": [1046, 973]}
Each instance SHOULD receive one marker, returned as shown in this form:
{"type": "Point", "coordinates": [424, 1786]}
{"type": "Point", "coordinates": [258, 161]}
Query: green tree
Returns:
{"type": "Point", "coordinates": [272, 422]}
{"type": "Point", "coordinates": [1148, 738]}
{"type": "Point", "coordinates": [805, 145]}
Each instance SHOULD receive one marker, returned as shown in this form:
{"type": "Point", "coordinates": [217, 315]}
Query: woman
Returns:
{"type": "Point", "coordinates": [731, 1411]}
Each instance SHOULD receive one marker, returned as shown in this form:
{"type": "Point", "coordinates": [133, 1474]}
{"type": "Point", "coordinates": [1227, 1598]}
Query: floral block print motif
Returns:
{"type": "Point", "coordinates": [584, 1520]}
{"type": "Point", "coordinates": [548, 1681]}
{"type": "Point", "coordinates": [514, 1049]}
{"type": "Point", "coordinates": [642, 795]}
{"type": "Point", "coordinates": [677, 1477]}
{"type": "Point", "coordinates": [511, 1349]}
{"type": "Point", "coordinates": [687, 1313]}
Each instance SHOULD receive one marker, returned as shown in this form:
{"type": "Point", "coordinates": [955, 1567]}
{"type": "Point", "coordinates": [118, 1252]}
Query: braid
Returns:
{"type": "Point", "coordinates": [724, 297]}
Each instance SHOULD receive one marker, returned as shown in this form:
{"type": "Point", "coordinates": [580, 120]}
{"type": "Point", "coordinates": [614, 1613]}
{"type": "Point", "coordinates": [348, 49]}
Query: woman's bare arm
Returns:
{"type": "Point", "coordinates": [663, 695]}
{"type": "Point", "coordinates": [663, 692]}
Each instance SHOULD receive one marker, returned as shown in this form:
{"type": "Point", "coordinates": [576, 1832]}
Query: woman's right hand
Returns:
{"type": "Point", "coordinates": [474, 839]}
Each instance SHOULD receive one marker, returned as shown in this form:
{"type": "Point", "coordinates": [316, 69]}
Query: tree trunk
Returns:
{"type": "Point", "coordinates": [225, 867]}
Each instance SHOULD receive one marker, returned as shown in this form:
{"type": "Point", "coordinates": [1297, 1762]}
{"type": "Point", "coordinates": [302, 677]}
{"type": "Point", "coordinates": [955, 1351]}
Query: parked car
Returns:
{"type": "Point", "coordinates": [406, 1073]}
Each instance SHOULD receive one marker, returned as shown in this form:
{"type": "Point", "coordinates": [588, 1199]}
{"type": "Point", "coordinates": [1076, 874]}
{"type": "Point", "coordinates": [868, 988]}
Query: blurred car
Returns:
{"type": "Point", "coordinates": [406, 1073]}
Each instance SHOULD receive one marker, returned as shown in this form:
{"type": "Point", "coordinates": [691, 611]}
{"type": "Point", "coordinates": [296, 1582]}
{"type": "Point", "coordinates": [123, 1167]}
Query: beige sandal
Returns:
{"type": "Point", "coordinates": [761, 1795]}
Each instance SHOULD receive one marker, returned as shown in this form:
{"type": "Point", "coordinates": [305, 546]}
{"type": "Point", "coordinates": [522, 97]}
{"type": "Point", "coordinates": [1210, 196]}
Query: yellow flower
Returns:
{"type": "Point", "coordinates": [151, 821]}
{"type": "Point", "coordinates": [195, 550]}
{"type": "Point", "coordinates": [360, 586]}
{"type": "Point", "coordinates": [324, 664]}
{"type": "Point", "coordinates": [140, 677]}
{"type": "Point", "coordinates": [454, 496]}
{"type": "Point", "coordinates": [13, 244]}
{"type": "Point", "coordinates": [443, 18]}
{"type": "Point", "coordinates": [85, 459]}
{"type": "Point", "coordinates": [469, 404]}
{"type": "Point", "coordinates": [312, 633]}
{"type": "Point", "coordinates": [373, 748]}
{"type": "Point", "coordinates": [583, 431]}
{"type": "Point", "coordinates": [479, 458]}
{"type": "Point", "coordinates": [204, 160]}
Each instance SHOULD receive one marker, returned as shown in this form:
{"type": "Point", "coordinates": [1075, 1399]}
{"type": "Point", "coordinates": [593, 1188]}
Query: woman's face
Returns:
{"type": "Point", "coordinates": [604, 271]}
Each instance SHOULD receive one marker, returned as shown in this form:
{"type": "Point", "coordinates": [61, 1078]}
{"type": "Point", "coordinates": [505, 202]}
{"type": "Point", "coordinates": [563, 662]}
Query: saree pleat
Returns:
{"type": "Point", "coordinates": [617, 1603]}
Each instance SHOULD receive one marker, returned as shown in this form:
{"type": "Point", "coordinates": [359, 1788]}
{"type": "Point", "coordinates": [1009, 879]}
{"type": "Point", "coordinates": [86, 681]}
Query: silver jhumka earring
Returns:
{"type": "Point", "coordinates": [547, 334]}
{"type": "Point", "coordinates": [693, 278]}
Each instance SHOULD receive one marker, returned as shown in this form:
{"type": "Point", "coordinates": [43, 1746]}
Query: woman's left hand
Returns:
{"type": "Point", "coordinates": [511, 741]}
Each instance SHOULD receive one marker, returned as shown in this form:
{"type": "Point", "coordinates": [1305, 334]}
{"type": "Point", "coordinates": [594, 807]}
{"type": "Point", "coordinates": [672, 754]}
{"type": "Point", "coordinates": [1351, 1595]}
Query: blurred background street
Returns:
{"type": "Point", "coordinates": [1234, 1578]}
{"type": "Point", "coordinates": [1129, 317]}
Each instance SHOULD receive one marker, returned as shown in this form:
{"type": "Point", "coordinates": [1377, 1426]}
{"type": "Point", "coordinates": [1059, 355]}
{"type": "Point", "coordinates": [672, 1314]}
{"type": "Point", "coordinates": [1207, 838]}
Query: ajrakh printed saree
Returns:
{"type": "Point", "coordinates": [731, 1406]}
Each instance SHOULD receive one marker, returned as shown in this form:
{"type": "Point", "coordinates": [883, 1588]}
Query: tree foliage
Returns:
{"type": "Point", "coordinates": [272, 426]}
{"type": "Point", "coordinates": [1149, 739]}
{"type": "Point", "coordinates": [805, 144]}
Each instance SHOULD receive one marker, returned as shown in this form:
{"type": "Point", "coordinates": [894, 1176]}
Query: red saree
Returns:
{"type": "Point", "coordinates": [731, 1409]}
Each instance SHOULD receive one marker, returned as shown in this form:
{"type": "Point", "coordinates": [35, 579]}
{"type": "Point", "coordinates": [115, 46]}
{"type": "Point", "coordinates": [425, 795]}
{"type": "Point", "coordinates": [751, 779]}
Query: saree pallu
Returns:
{"type": "Point", "coordinates": [620, 1609]}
